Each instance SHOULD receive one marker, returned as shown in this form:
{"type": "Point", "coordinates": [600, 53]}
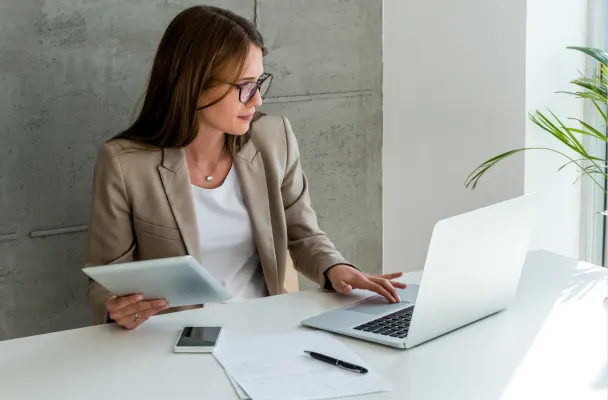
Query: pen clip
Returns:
{"type": "Point", "coordinates": [352, 368]}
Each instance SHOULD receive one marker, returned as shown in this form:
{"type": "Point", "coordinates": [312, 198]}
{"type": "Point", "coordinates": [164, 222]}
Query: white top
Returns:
{"type": "Point", "coordinates": [550, 344]}
{"type": "Point", "coordinates": [228, 249]}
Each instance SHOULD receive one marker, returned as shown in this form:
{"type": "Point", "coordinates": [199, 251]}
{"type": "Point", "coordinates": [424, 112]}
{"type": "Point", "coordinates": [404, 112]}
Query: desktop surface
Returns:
{"type": "Point", "coordinates": [551, 343]}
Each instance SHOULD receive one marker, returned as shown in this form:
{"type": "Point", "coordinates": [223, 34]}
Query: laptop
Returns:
{"type": "Point", "coordinates": [472, 269]}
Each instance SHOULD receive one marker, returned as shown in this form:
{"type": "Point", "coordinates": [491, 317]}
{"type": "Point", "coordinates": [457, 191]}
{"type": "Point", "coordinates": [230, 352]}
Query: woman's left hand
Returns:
{"type": "Point", "coordinates": [345, 278]}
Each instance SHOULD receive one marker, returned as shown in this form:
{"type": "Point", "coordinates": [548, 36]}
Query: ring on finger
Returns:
{"type": "Point", "coordinates": [136, 317]}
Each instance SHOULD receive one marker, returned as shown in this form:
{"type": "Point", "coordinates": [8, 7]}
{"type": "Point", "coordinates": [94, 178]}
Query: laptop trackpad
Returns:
{"type": "Point", "coordinates": [377, 305]}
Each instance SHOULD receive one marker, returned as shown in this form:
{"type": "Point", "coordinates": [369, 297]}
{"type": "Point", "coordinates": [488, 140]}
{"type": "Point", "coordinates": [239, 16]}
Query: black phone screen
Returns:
{"type": "Point", "coordinates": [199, 336]}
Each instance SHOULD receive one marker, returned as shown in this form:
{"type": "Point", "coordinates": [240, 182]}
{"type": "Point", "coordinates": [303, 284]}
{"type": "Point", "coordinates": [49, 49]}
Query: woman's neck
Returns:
{"type": "Point", "coordinates": [206, 146]}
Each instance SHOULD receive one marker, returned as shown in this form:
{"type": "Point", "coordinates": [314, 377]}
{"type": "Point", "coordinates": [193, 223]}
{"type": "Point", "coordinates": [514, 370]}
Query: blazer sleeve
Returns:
{"type": "Point", "coordinates": [110, 234]}
{"type": "Point", "coordinates": [311, 250]}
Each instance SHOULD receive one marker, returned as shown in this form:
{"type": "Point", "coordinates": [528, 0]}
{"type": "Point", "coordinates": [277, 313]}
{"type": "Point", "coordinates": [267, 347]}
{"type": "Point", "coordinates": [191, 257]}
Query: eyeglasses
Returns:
{"type": "Point", "coordinates": [247, 89]}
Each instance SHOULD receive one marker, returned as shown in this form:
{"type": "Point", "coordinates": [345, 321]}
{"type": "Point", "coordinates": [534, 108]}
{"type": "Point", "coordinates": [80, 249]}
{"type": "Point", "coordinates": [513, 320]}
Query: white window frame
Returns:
{"type": "Point", "coordinates": [594, 240]}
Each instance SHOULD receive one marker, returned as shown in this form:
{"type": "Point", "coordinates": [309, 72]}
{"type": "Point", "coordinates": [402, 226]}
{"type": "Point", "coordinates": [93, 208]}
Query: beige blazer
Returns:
{"type": "Point", "coordinates": [142, 208]}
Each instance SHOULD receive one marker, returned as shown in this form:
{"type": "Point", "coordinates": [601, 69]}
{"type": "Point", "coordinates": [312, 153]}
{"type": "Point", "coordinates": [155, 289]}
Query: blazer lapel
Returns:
{"type": "Point", "coordinates": [252, 177]}
{"type": "Point", "coordinates": [176, 181]}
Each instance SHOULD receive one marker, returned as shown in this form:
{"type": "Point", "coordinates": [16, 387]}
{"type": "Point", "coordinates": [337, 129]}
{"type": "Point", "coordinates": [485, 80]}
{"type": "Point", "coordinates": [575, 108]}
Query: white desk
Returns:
{"type": "Point", "coordinates": [551, 344]}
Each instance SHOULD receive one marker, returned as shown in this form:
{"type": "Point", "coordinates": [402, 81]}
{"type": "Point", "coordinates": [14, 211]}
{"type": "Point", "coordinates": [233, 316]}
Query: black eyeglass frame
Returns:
{"type": "Point", "coordinates": [242, 86]}
{"type": "Point", "coordinates": [246, 96]}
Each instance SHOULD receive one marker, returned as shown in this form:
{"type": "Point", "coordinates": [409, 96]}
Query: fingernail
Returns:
{"type": "Point", "coordinates": [139, 297]}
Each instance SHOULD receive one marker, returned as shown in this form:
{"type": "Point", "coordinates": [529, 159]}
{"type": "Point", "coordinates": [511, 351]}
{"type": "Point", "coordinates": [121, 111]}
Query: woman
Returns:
{"type": "Point", "coordinates": [200, 173]}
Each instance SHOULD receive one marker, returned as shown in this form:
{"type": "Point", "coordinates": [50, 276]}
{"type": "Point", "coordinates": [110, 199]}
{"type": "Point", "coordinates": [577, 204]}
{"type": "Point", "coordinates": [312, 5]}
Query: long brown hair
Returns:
{"type": "Point", "coordinates": [199, 42]}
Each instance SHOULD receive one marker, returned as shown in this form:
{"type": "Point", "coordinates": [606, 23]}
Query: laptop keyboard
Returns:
{"type": "Point", "coordinates": [395, 325]}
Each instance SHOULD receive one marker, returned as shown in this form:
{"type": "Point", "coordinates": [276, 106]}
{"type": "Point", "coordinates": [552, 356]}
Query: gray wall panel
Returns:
{"type": "Point", "coordinates": [72, 72]}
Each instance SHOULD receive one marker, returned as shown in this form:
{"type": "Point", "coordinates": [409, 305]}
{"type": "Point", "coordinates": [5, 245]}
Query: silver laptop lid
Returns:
{"type": "Point", "coordinates": [473, 266]}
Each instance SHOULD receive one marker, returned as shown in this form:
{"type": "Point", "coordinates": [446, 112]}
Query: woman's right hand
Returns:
{"type": "Point", "coordinates": [132, 311]}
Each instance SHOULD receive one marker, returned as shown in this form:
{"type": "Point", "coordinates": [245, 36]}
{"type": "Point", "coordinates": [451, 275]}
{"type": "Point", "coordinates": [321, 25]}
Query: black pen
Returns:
{"type": "Point", "coordinates": [336, 362]}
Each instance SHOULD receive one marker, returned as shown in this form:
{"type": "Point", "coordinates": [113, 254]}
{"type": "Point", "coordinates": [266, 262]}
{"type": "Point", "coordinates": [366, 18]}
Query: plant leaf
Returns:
{"type": "Point", "coordinates": [592, 129]}
{"type": "Point", "coordinates": [473, 178]}
{"type": "Point", "coordinates": [588, 95]}
{"type": "Point", "coordinates": [555, 131]}
{"type": "Point", "coordinates": [539, 119]}
{"type": "Point", "coordinates": [599, 109]}
{"type": "Point", "coordinates": [594, 89]}
{"type": "Point", "coordinates": [572, 136]}
{"type": "Point", "coordinates": [599, 54]}
{"type": "Point", "coordinates": [593, 85]}
{"type": "Point", "coordinates": [592, 169]}
{"type": "Point", "coordinates": [582, 132]}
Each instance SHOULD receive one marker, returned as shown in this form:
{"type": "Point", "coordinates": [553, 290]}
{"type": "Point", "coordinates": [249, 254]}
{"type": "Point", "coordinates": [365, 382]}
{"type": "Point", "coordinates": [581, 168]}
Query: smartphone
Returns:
{"type": "Point", "coordinates": [197, 339]}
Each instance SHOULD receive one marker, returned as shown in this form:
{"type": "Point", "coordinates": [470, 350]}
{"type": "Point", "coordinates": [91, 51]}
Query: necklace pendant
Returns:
{"type": "Point", "coordinates": [209, 178]}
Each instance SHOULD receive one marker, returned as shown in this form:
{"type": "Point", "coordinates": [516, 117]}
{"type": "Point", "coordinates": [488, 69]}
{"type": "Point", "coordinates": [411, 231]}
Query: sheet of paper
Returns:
{"type": "Point", "coordinates": [238, 389]}
{"type": "Point", "coordinates": [269, 367]}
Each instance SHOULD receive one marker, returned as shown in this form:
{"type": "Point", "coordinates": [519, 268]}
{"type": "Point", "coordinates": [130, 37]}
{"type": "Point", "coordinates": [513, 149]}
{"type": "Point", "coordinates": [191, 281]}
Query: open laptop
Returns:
{"type": "Point", "coordinates": [472, 270]}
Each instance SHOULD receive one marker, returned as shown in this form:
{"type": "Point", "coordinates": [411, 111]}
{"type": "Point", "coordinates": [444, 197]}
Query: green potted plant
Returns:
{"type": "Point", "coordinates": [594, 89]}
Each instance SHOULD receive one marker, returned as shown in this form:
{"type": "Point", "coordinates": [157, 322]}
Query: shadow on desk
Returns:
{"type": "Point", "coordinates": [483, 364]}
{"type": "Point", "coordinates": [581, 283]}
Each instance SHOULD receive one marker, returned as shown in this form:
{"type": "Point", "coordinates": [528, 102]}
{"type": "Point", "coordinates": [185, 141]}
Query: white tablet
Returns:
{"type": "Point", "coordinates": [181, 281]}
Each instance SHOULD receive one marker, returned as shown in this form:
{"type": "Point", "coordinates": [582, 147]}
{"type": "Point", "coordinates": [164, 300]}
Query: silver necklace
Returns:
{"type": "Point", "coordinates": [208, 177]}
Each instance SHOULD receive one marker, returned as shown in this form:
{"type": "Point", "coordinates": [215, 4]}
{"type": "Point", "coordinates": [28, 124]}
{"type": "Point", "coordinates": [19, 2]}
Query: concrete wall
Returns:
{"type": "Point", "coordinates": [454, 96]}
{"type": "Point", "coordinates": [71, 72]}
